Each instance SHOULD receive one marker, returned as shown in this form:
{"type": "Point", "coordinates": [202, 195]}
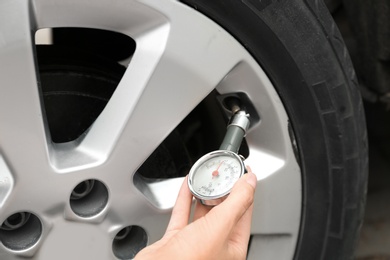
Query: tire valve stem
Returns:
{"type": "Point", "coordinates": [233, 104]}
{"type": "Point", "coordinates": [235, 108]}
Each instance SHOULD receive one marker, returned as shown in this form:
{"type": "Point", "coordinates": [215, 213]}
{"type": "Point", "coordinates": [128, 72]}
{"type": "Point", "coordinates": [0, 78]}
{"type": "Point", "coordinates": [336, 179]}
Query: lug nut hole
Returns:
{"type": "Point", "coordinates": [20, 231]}
{"type": "Point", "coordinates": [129, 241]}
{"type": "Point", "coordinates": [82, 189]}
{"type": "Point", "coordinates": [88, 198]}
{"type": "Point", "coordinates": [15, 221]}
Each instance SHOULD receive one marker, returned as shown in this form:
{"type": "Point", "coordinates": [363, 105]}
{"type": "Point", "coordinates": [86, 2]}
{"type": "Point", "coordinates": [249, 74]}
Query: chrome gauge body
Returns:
{"type": "Point", "coordinates": [213, 176]}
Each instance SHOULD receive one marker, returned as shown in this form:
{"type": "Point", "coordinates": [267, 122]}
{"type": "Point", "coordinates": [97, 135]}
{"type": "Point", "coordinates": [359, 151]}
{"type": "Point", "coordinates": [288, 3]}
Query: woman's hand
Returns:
{"type": "Point", "coordinates": [221, 232]}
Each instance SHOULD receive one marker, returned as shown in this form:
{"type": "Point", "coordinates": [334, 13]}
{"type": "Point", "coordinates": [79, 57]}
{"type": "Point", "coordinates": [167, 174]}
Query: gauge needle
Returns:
{"type": "Point", "coordinates": [216, 172]}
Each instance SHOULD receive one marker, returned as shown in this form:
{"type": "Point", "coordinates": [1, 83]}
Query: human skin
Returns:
{"type": "Point", "coordinates": [220, 232]}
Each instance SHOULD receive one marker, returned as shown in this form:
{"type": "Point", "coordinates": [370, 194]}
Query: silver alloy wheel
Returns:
{"type": "Point", "coordinates": [181, 56]}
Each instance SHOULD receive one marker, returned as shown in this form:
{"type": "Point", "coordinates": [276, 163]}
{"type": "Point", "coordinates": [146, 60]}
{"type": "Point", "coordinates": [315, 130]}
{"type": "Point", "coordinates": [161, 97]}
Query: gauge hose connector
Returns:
{"type": "Point", "coordinates": [236, 131]}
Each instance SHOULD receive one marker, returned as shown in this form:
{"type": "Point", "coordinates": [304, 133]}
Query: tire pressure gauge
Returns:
{"type": "Point", "coordinates": [213, 176]}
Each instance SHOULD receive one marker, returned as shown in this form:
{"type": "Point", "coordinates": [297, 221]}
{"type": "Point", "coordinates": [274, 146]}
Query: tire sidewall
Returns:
{"type": "Point", "coordinates": [307, 74]}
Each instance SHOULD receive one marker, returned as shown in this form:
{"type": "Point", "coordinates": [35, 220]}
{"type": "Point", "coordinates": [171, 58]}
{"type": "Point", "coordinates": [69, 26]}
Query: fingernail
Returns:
{"type": "Point", "coordinates": [251, 179]}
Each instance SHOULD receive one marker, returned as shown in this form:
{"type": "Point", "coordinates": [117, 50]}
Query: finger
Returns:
{"type": "Point", "coordinates": [241, 233]}
{"type": "Point", "coordinates": [225, 216]}
{"type": "Point", "coordinates": [200, 210]}
{"type": "Point", "coordinates": [242, 230]}
{"type": "Point", "coordinates": [181, 210]}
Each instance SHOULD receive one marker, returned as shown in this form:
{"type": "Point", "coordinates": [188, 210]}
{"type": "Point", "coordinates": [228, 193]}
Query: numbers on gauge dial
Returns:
{"type": "Point", "coordinates": [217, 175]}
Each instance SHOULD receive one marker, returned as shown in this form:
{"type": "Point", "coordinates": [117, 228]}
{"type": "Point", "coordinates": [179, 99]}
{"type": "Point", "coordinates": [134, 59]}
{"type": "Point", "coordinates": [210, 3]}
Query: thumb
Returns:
{"type": "Point", "coordinates": [228, 213]}
{"type": "Point", "coordinates": [241, 197]}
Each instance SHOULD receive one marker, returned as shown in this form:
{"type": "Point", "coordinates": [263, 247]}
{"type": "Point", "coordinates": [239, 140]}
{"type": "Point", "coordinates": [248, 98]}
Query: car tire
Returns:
{"type": "Point", "coordinates": [300, 48]}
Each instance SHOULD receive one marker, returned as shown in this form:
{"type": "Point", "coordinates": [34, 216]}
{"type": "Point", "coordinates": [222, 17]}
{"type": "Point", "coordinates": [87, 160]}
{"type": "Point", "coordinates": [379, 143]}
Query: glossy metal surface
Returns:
{"type": "Point", "coordinates": [216, 196]}
{"type": "Point", "coordinates": [178, 51]}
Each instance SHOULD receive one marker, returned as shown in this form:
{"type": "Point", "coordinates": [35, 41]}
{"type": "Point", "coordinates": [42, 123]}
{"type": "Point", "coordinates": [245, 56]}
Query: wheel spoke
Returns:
{"type": "Point", "coordinates": [270, 155]}
{"type": "Point", "coordinates": [168, 76]}
{"type": "Point", "coordinates": [272, 206]}
{"type": "Point", "coordinates": [161, 193]}
{"type": "Point", "coordinates": [6, 181]}
{"type": "Point", "coordinates": [22, 128]}
{"type": "Point", "coordinates": [128, 17]}
{"type": "Point", "coordinates": [180, 57]}
{"type": "Point", "coordinates": [132, 208]}
{"type": "Point", "coordinates": [276, 246]}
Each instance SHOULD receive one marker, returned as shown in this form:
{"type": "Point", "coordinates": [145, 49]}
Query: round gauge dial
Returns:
{"type": "Point", "coordinates": [214, 175]}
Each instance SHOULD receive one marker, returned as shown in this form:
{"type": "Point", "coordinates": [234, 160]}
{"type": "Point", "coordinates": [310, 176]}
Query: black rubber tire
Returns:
{"type": "Point", "coordinates": [300, 48]}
